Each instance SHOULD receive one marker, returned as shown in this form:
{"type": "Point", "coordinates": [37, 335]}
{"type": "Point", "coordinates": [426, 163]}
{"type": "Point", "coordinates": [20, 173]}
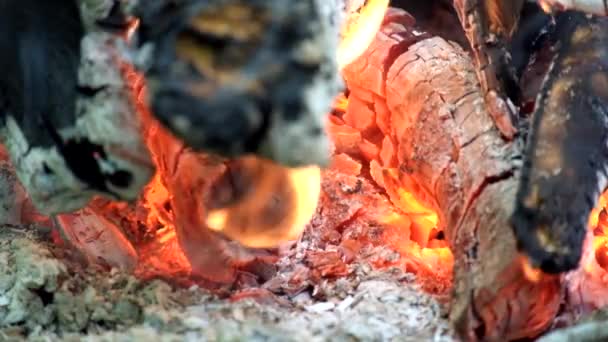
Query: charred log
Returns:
{"type": "Point", "coordinates": [63, 100]}
{"type": "Point", "coordinates": [565, 167]}
{"type": "Point", "coordinates": [243, 77]}
{"type": "Point", "coordinates": [489, 24]}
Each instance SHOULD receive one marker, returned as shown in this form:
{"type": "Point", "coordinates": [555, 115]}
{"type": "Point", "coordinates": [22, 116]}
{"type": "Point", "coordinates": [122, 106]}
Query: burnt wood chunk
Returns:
{"type": "Point", "coordinates": [566, 160]}
{"type": "Point", "coordinates": [236, 77]}
{"type": "Point", "coordinates": [67, 116]}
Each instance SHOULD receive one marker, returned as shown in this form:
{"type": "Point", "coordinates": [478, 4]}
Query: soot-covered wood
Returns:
{"type": "Point", "coordinates": [67, 117]}
{"type": "Point", "coordinates": [566, 167]}
{"type": "Point", "coordinates": [235, 76]}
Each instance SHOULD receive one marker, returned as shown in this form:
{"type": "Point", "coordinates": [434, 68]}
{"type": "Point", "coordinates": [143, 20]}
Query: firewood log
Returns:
{"type": "Point", "coordinates": [238, 77]}
{"type": "Point", "coordinates": [564, 167]}
{"type": "Point", "coordinates": [451, 156]}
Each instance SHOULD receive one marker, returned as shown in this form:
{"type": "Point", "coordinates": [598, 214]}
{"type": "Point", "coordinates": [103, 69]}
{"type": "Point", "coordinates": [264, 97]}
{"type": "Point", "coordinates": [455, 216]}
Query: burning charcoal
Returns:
{"type": "Point", "coordinates": [239, 76]}
{"type": "Point", "coordinates": [254, 202]}
{"type": "Point", "coordinates": [488, 25]}
{"type": "Point", "coordinates": [564, 170]}
{"type": "Point", "coordinates": [67, 117]}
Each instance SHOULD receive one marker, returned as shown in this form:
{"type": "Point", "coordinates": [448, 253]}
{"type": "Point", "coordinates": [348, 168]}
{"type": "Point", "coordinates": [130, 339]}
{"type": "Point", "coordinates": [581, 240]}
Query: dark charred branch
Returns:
{"type": "Point", "coordinates": [235, 77]}
{"type": "Point", "coordinates": [67, 117]}
{"type": "Point", "coordinates": [565, 167]}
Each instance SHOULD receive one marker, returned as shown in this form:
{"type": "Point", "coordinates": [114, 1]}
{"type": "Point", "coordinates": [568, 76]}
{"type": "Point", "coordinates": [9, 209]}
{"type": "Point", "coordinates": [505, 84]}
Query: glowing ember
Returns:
{"type": "Point", "coordinates": [588, 285]}
{"type": "Point", "coordinates": [360, 30]}
{"type": "Point", "coordinates": [275, 206]}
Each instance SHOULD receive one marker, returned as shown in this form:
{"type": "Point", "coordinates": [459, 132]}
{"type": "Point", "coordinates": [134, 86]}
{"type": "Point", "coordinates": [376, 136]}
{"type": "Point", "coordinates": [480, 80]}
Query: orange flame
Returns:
{"type": "Point", "coordinates": [276, 207]}
{"type": "Point", "coordinates": [359, 30]}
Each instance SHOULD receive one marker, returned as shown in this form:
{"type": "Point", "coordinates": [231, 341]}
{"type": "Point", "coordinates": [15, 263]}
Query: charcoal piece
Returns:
{"type": "Point", "coordinates": [98, 239]}
{"type": "Point", "coordinates": [68, 118]}
{"type": "Point", "coordinates": [566, 161]}
{"type": "Point", "coordinates": [528, 39]}
{"type": "Point", "coordinates": [237, 77]}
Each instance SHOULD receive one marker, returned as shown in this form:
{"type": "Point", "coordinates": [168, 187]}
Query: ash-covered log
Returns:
{"type": "Point", "coordinates": [67, 117]}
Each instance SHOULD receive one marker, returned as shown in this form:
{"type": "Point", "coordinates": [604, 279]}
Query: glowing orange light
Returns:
{"type": "Point", "coordinates": [359, 30]}
{"type": "Point", "coordinates": [533, 274]}
{"type": "Point", "coordinates": [275, 209]}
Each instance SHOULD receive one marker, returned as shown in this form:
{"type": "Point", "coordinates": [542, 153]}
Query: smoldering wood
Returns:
{"type": "Point", "coordinates": [452, 156]}
{"type": "Point", "coordinates": [565, 164]}
{"type": "Point", "coordinates": [70, 126]}
{"type": "Point", "coordinates": [235, 77]}
{"type": "Point", "coordinates": [488, 25]}
{"type": "Point", "coordinates": [472, 174]}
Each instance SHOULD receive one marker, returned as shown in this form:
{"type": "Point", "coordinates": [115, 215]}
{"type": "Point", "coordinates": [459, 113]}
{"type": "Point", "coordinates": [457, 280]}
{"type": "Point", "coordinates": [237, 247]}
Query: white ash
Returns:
{"type": "Point", "coordinates": [596, 7]}
{"type": "Point", "coordinates": [584, 332]}
{"type": "Point", "coordinates": [377, 310]}
{"type": "Point", "coordinates": [93, 10]}
{"type": "Point", "coordinates": [302, 141]}
{"type": "Point", "coordinates": [43, 298]}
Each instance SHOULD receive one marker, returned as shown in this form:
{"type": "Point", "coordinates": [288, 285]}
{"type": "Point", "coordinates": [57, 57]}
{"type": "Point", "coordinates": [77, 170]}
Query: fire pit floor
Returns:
{"type": "Point", "coordinates": [46, 297]}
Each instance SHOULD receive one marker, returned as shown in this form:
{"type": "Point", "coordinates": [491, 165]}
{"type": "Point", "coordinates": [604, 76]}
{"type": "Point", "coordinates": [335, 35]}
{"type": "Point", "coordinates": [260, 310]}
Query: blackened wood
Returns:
{"type": "Point", "coordinates": [236, 77]}
{"type": "Point", "coordinates": [566, 161]}
{"type": "Point", "coordinates": [68, 118]}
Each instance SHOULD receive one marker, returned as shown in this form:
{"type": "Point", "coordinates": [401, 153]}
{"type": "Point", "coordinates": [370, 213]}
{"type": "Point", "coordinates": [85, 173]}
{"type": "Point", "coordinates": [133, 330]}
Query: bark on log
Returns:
{"type": "Point", "coordinates": [429, 103]}
{"type": "Point", "coordinates": [488, 25]}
